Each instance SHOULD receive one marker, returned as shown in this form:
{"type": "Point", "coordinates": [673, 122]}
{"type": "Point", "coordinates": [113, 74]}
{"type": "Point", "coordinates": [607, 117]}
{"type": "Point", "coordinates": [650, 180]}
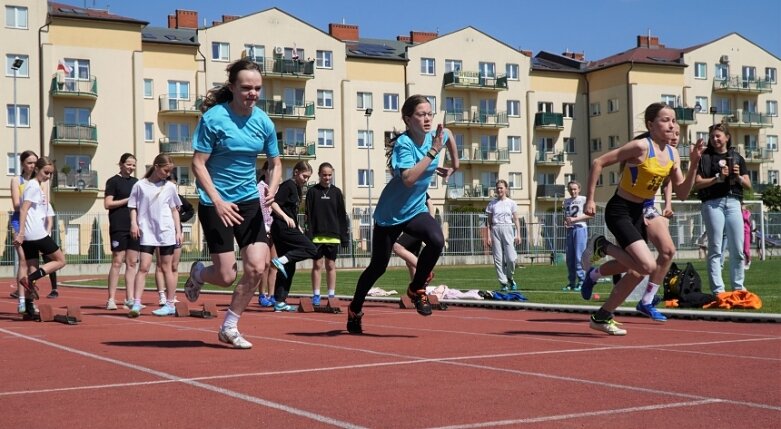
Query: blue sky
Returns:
{"type": "Point", "coordinates": [598, 27]}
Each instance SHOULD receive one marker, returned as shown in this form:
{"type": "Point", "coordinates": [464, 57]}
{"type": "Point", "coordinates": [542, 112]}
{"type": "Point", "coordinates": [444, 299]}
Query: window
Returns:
{"type": "Point", "coordinates": [703, 103]}
{"type": "Point", "coordinates": [513, 108]}
{"type": "Point", "coordinates": [568, 109]}
{"type": "Point", "coordinates": [753, 175]}
{"type": "Point", "coordinates": [612, 177]}
{"type": "Point", "coordinates": [723, 105]}
{"type": "Point", "coordinates": [514, 144]}
{"type": "Point", "coordinates": [365, 139]}
{"type": "Point", "coordinates": [770, 74]}
{"type": "Point", "coordinates": [76, 116]}
{"type": "Point", "coordinates": [295, 137]}
{"type": "Point", "coordinates": [487, 69]}
{"type": "Point", "coordinates": [612, 142]}
{"type": "Point", "coordinates": [390, 102]}
{"type": "Point", "coordinates": [700, 71]}
{"type": "Point", "coordinates": [515, 180]}
{"type": "Point", "coordinates": [324, 59]}
{"type": "Point", "coordinates": [488, 146]}
{"type": "Point", "coordinates": [179, 133]}
{"type": "Point", "coordinates": [569, 144]}
{"type": "Point", "coordinates": [702, 135]}
{"type": "Point", "coordinates": [433, 183]}
{"type": "Point", "coordinates": [771, 107]}
{"type": "Point", "coordinates": [428, 66]}
{"type": "Point", "coordinates": [452, 65]}
{"type": "Point", "coordinates": [596, 145]}
{"type": "Point", "coordinates": [149, 132]}
{"type": "Point", "coordinates": [78, 163]}
{"type": "Point", "coordinates": [149, 88]}
{"type": "Point", "coordinates": [293, 97]}
{"type": "Point", "coordinates": [24, 70]}
{"type": "Point", "coordinates": [512, 72]}
{"type": "Point", "coordinates": [594, 109]}
{"type": "Point", "coordinates": [365, 178]}
{"type": "Point", "coordinates": [568, 177]}
{"type": "Point", "coordinates": [364, 100]}
{"type": "Point", "coordinates": [325, 138]}
{"type": "Point", "coordinates": [546, 179]}
{"type": "Point", "coordinates": [721, 72]}
{"type": "Point", "coordinates": [433, 100]}
{"type": "Point", "coordinates": [772, 143]}
{"type": "Point", "coordinates": [178, 90]}
{"type": "Point", "coordinates": [325, 98]}
{"type": "Point", "coordinates": [772, 177]}
{"type": "Point", "coordinates": [20, 117]}
{"type": "Point", "coordinates": [545, 106]}
{"type": "Point", "coordinates": [488, 106]}
{"type": "Point", "coordinates": [16, 17]}
{"type": "Point", "coordinates": [294, 54]}
{"type": "Point", "coordinates": [546, 144]}
{"type": "Point", "coordinates": [256, 53]}
{"type": "Point", "coordinates": [749, 74]}
{"type": "Point", "coordinates": [612, 105]}
{"type": "Point", "coordinates": [750, 142]}
{"type": "Point", "coordinates": [220, 51]}
{"type": "Point", "coordinates": [79, 70]}
{"type": "Point", "coordinates": [599, 180]}
{"type": "Point", "coordinates": [454, 105]}
{"type": "Point", "coordinates": [669, 100]}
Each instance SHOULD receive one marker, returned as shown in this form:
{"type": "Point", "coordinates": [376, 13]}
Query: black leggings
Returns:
{"type": "Point", "coordinates": [422, 226]}
{"type": "Point", "coordinates": [290, 242]}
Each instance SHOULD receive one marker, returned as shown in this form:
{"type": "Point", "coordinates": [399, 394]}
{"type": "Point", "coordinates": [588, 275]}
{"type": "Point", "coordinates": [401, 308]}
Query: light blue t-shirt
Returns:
{"type": "Point", "coordinates": [399, 203]}
{"type": "Point", "coordinates": [234, 143]}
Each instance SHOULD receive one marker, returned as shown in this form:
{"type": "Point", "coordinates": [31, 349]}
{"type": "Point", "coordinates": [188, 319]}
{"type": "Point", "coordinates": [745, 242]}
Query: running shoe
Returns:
{"type": "Point", "coordinates": [588, 285]}
{"type": "Point", "coordinates": [135, 311]}
{"type": "Point", "coordinates": [650, 311]}
{"type": "Point", "coordinates": [165, 310]}
{"type": "Point", "coordinates": [503, 287]}
{"type": "Point", "coordinates": [111, 305]}
{"type": "Point", "coordinates": [513, 285]}
{"type": "Point", "coordinates": [233, 337]}
{"type": "Point", "coordinates": [420, 299]}
{"type": "Point", "coordinates": [594, 251]}
{"type": "Point", "coordinates": [53, 294]}
{"type": "Point", "coordinates": [279, 266]}
{"type": "Point", "coordinates": [283, 307]}
{"type": "Point", "coordinates": [192, 288]}
{"type": "Point", "coordinates": [354, 322]}
{"type": "Point", "coordinates": [128, 305]}
{"type": "Point", "coordinates": [315, 299]}
{"type": "Point", "coordinates": [21, 308]}
{"type": "Point", "coordinates": [609, 326]}
{"type": "Point", "coordinates": [265, 301]}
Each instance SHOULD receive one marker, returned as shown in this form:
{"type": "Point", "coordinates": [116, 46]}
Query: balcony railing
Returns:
{"type": "Point", "coordinates": [297, 150]}
{"type": "Point", "coordinates": [474, 80]}
{"type": "Point", "coordinates": [281, 109]}
{"type": "Point", "coordinates": [174, 147]}
{"type": "Point", "coordinates": [477, 119]}
{"type": "Point", "coordinates": [484, 156]}
{"type": "Point", "coordinates": [549, 121]}
{"type": "Point", "coordinates": [75, 181]}
{"type": "Point", "coordinates": [551, 159]}
{"type": "Point", "coordinates": [74, 88]}
{"type": "Point", "coordinates": [287, 68]}
{"type": "Point", "coordinates": [739, 84]}
{"type": "Point", "coordinates": [756, 155]}
{"type": "Point", "coordinates": [177, 106]}
{"type": "Point", "coordinates": [685, 115]}
{"type": "Point", "coordinates": [74, 134]}
{"type": "Point", "coordinates": [470, 192]}
{"type": "Point", "coordinates": [684, 150]}
{"type": "Point", "coordinates": [550, 192]}
{"type": "Point", "coordinates": [743, 119]}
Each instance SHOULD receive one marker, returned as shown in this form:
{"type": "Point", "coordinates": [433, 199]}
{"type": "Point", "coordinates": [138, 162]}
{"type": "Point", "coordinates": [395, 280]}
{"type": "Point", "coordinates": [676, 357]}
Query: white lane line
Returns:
{"type": "Point", "coordinates": [230, 393]}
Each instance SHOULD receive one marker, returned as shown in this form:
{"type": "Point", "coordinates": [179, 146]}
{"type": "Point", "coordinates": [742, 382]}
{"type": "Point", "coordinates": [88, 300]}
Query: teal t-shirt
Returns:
{"type": "Point", "coordinates": [234, 143]}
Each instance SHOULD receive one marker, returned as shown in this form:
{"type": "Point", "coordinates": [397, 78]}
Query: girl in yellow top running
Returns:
{"type": "Point", "coordinates": [649, 160]}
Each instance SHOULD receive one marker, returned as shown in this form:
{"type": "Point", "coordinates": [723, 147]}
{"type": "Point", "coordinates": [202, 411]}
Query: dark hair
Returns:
{"type": "Point", "coordinates": [302, 166]}
{"type": "Point", "coordinates": [718, 127]}
{"type": "Point", "coordinates": [652, 111]}
{"type": "Point", "coordinates": [407, 110]}
{"type": "Point", "coordinates": [22, 156]}
{"type": "Point", "coordinates": [223, 94]}
{"type": "Point", "coordinates": [574, 182]}
{"type": "Point", "coordinates": [503, 182]}
{"type": "Point", "coordinates": [324, 165]}
{"type": "Point", "coordinates": [160, 160]}
{"type": "Point", "coordinates": [259, 173]}
{"type": "Point", "coordinates": [125, 156]}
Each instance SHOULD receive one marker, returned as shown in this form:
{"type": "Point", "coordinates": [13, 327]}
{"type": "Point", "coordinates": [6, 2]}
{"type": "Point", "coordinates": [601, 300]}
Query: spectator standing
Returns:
{"type": "Point", "coordinates": [505, 228]}
{"type": "Point", "coordinates": [576, 231]}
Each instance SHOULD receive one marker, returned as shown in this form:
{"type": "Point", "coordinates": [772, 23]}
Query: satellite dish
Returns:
{"type": "Point", "coordinates": [697, 107]}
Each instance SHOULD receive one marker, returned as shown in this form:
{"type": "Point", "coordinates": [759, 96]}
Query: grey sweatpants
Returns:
{"type": "Point", "coordinates": [503, 250]}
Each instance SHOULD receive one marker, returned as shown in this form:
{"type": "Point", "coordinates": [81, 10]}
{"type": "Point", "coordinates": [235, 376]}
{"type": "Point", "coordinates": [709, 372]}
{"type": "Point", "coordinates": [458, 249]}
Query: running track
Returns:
{"type": "Point", "coordinates": [461, 368]}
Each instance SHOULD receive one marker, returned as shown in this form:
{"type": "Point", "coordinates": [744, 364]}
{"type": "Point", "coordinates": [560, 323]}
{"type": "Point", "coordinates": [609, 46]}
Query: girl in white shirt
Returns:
{"type": "Point", "coordinates": [505, 230]}
{"type": "Point", "coordinates": [33, 235]}
{"type": "Point", "coordinates": [154, 221]}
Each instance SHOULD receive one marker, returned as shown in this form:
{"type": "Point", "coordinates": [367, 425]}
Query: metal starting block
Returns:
{"type": "Point", "coordinates": [72, 314]}
{"type": "Point", "coordinates": [208, 311]}
{"type": "Point", "coordinates": [328, 305]}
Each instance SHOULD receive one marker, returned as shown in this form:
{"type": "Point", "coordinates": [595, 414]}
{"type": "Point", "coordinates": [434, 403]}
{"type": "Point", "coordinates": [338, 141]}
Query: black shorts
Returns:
{"type": "Point", "coordinates": [414, 245]}
{"type": "Point", "coordinates": [121, 241]}
{"type": "Point", "coordinates": [625, 220]}
{"type": "Point", "coordinates": [164, 250]}
{"type": "Point", "coordinates": [326, 249]}
{"type": "Point", "coordinates": [219, 238]}
{"type": "Point", "coordinates": [44, 246]}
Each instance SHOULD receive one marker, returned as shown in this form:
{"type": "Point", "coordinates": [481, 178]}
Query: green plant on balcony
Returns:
{"type": "Point", "coordinates": [66, 169]}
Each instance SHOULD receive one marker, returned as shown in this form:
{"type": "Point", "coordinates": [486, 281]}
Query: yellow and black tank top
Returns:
{"type": "Point", "coordinates": [644, 179]}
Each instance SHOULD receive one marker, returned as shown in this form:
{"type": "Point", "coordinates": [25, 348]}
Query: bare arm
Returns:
{"type": "Point", "coordinates": [274, 174]}
{"type": "Point", "coordinates": [15, 194]}
{"type": "Point", "coordinates": [22, 221]}
{"type": "Point", "coordinates": [227, 212]}
{"type": "Point", "coordinates": [683, 186]}
{"type": "Point", "coordinates": [517, 222]}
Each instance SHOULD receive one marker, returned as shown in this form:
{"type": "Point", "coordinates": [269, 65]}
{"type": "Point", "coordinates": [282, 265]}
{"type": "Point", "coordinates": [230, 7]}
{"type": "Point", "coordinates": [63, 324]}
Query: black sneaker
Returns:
{"type": "Point", "coordinates": [420, 299]}
{"type": "Point", "coordinates": [354, 322]}
{"type": "Point", "coordinates": [53, 294]}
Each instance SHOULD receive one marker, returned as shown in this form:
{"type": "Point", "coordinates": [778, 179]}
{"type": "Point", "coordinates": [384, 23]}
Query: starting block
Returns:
{"type": "Point", "coordinates": [208, 311]}
{"type": "Point", "coordinates": [328, 305]}
{"type": "Point", "coordinates": [30, 312]}
{"type": "Point", "coordinates": [72, 314]}
{"type": "Point", "coordinates": [406, 303]}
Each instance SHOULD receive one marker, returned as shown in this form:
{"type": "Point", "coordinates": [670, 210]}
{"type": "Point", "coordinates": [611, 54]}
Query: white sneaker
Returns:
{"type": "Point", "coordinates": [192, 288]}
{"type": "Point", "coordinates": [135, 311]}
{"type": "Point", "coordinates": [21, 309]}
{"type": "Point", "coordinates": [161, 301]}
{"type": "Point", "coordinates": [165, 310]}
{"type": "Point", "coordinates": [111, 305]}
{"type": "Point", "coordinates": [128, 305]}
{"type": "Point", "coordinates": [746, 266]}
{"type": "Point", "coordinates": [608, 326]}
{"type": "Point", "coordinates": [232, 336]}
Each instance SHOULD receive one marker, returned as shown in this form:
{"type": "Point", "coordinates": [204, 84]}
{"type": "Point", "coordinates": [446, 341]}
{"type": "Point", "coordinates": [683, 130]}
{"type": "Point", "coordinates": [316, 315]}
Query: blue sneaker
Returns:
{"type": "Point", "coordinates": [135, 311]}
{"type": "Point", "coordinates": [166, 310]}
{"type": "Point", "coordinates": [265, 301]}
{"type": "Point", "coordinates": [315, 299]}
{"type": "Point", "coordinates": [281, 306]}
{"type": "Point", "coordinates": [588, 285]}
{"type": "Point", "coordinates": [513, 285]}
{"type": "Point", "coordinates": [650, 311]}
{"type": "Point", "coordinates": [279, 266]}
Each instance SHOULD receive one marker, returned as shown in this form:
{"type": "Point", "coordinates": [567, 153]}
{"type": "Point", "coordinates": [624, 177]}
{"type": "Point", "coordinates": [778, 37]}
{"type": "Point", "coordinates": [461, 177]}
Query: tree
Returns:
{"type": "Point", "coordinates": [8, 248]}
{"type": "Point", "coordinates": [771, 197]}
{"type": "Point", "coordinates": [95, 254]}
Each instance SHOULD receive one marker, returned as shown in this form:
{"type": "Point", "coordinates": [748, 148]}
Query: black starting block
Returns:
{"type": "Point", "coordinates": [327, 305]}
{"type": "Point", "coordinates": [208, 311]}
{"type": "Point", "coordinates": [30, 312]}
{"type": "Point", "coordinates": [72, 314]}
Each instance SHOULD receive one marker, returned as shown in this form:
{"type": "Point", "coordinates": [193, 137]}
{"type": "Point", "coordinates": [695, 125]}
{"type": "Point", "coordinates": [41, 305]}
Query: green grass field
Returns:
{"type": "Point", "coordinates": [540, 283]}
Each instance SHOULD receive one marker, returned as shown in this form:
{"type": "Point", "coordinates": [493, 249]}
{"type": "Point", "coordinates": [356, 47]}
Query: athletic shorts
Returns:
{"type": "Point", "coordinates": [329, 250]}
{"type": "Point", "coordinates": [625, 220]}
{"type": "Point", "coordinates": [164, 250]}
{"type": "Point", "coordinates": [219, 238]}
{"type": "Point", "coordinates": [414, 245]}
{"type": "Point", "coordinates": [44, 246]}
{"type": "Point", "coordinates": [121, 241]}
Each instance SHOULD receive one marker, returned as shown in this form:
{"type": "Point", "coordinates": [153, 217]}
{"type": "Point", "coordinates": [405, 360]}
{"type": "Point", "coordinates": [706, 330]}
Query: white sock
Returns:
{"type": "Point", "coordinates": [137, 301]}
{"type": "Point", "coordinates": [595, 274]}
{"type": "Point", "coordinates": [650, 291]}
{"type": "Point", "coordinates": [331, 293]}
{"type": "Point", "coordinates": [21, 299]}
{"type": "Point", "coordinates": [283, 260]}
{"type": "Point", "coordinates": [169, 303]}
{"type": "Point", "coordinates": [231, 319]}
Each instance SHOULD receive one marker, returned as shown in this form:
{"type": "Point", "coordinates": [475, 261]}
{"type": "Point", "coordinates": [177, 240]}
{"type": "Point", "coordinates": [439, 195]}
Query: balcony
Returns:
{"type": "Point", "coordinates": [477, 119]}
{"type": "Point", "coordinates": [281, 110]}
{"type": "Point", "coordinates": [296, 150]}
{"type": "Point", "coordinates": [754, 155]}
{"type": "Point", "coordinates": [548, 121]}
{"type": "Point", "coordinates": [481, 156]}
{"type": "Point", "coordinates": [169, 106]}
{"type": "Point", "coordinates": [73, 88]}
{"type": "Point", "coordinates": [550, 192]}
{"type": "Point", "coordinates": [549, 159]}
{"type": "Point", "coordinates": [470, 193]}
{"type": "Point", "coordinates": [683, 151]}
{"type": "Point", "coordinates": [287, 69]}
{"type": "Point", "coordinates": [74, 135]}
{"type": "Point", "coordinates": [685, 115]}
{"type": "Point", "coordinates": [474, 81]}
{"type": "Point", "coordinates": [73, 181]}
{"type": "Point", "coordinates": [738, 84]}
{"type": "Point", "coordinates": [744, 119]}
{"type": "Point", "coordinates": [176, 148]}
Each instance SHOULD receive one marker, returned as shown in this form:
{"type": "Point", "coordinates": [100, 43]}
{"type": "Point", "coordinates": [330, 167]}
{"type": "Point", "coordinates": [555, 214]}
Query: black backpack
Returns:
{"type": "Point", "coordinates": [685, 285]}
